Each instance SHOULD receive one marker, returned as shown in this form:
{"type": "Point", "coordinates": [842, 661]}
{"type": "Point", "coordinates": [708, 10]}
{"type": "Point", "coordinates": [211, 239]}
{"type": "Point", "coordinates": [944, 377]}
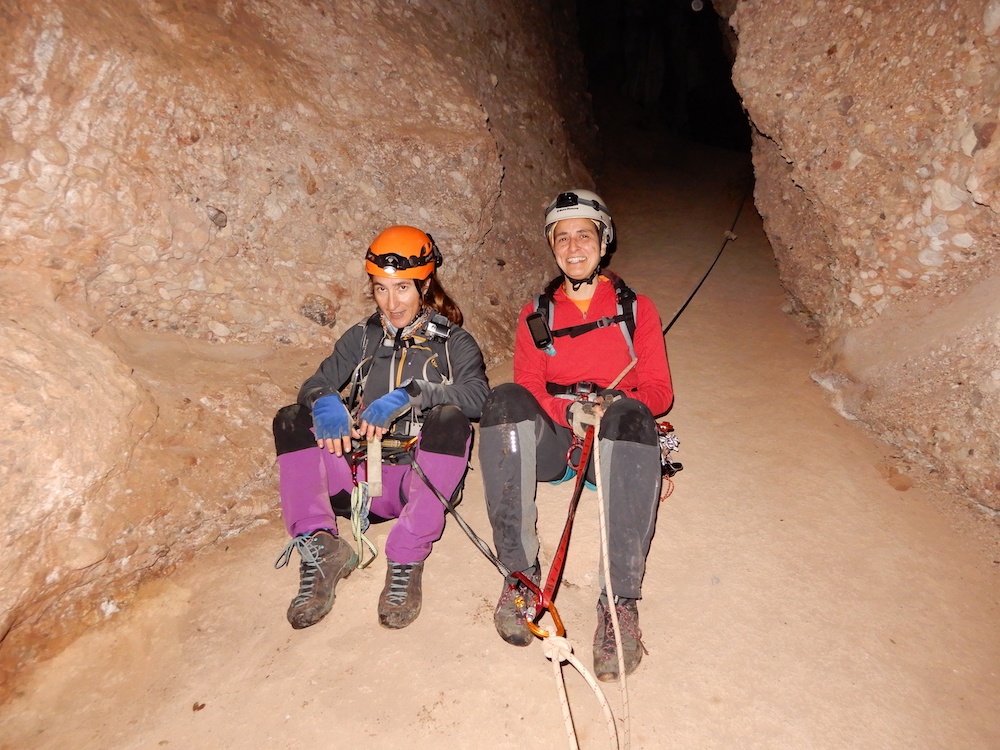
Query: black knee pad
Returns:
{"type": "Point", "coordinates": [445, 430]}
{"type": "Point", "coordinates": [509, 403]}
{"type": "Point", "coordinates": [629, 420]}
{"type": "Point", "coordinates": [292, 429]}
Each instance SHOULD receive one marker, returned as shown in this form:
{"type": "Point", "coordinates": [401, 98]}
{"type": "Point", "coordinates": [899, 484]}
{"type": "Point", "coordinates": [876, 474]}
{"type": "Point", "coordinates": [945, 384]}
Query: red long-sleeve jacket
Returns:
{"type": "Point", "coordinates": [597, 356]}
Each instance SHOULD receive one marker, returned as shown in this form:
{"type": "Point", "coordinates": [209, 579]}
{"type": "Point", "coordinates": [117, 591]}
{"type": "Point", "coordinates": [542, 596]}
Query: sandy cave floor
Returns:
{"type": "Point", "coordinates": [800, 593]}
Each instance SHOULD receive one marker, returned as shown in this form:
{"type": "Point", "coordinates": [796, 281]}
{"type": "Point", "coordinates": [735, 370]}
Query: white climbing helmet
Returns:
{"type": "Point", "coordinates": [580, 204]}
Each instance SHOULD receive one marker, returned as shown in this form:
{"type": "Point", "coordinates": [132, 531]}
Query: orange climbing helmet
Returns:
{"type": "Point", "coordinates": [403, 252]}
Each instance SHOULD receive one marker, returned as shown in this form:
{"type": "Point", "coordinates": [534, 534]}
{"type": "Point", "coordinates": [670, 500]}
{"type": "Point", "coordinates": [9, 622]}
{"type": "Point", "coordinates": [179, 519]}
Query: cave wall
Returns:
{"type": "Point", "coordinates": [188, 189]}
{"type": "Point", "coordinates": [875, 149]}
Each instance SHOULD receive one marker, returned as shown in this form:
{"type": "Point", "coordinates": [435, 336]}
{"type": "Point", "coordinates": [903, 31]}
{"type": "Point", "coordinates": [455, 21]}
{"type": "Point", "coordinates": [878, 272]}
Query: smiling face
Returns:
{"type": "Point", "coordinates": [576, 244]}
{"type": "Point", "coordinates": [397, 299]}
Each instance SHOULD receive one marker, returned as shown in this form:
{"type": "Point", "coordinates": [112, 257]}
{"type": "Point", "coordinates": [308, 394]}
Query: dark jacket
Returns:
{"type": "Point", "coordinates": [447, 370]}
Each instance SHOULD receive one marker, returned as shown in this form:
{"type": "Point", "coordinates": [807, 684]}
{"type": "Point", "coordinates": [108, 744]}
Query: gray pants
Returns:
{"type": "Point", "coordinates": [520, 446]}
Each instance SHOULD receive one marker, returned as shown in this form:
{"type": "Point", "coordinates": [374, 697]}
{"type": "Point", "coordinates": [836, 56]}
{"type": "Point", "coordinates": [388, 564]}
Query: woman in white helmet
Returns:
{"type": "Point", "coordinates": [587, 330]}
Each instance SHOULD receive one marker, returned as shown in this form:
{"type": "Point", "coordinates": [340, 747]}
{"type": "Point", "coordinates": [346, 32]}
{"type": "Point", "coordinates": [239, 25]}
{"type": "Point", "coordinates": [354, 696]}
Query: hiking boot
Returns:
{"type": "Point", "coordinates": [399, 603]}
{"type": "Point", "coordinates": [605, 651]}
{"type": "Point", "coordinates": [516, 606]}
{"type": "Point", "coordinates": [325, 560]}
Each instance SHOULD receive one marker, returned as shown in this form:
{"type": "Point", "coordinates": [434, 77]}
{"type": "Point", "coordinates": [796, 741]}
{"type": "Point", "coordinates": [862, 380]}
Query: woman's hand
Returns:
{"type": "Point", "coordinates": [382, 412]}
{"type": "Point", "coordinates": [332, 424]}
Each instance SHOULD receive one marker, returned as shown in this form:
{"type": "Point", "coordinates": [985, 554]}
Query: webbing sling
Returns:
{"type": "Point", "coordinates": [546, 595]}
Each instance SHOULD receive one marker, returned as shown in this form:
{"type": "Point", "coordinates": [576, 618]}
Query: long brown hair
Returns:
{"type": "Point", "coordinates": [433, 295]}
{"type": "Point", "coordinates": [436, 297]}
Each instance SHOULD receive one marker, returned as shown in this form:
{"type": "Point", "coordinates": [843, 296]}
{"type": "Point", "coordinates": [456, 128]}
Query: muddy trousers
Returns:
{"type": "Point", "coordinates": [520, 445]}
{"type": "Point", "coordinates": [315, 485]}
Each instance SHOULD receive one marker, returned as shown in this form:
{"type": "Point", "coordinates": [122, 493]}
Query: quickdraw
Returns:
{"type": "Point", "coordinates": [668, 443]}
{"type": "Point", "coordinates": [545, 596]}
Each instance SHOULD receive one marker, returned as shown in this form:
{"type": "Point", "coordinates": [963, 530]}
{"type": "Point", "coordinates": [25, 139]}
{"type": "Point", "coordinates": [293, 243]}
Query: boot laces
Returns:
{"type": "Point", "coordinates": [399, 582]}
{"type": "Point", "coordinates": [628, 622]}
{"type": "Point", "coordinates": [311, 552]}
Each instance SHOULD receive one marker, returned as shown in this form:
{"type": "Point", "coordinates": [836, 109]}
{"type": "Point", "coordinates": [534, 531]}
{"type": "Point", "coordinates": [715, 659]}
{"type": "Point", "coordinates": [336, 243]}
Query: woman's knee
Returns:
{"type": "Point", "coordinates": [630, 420]}
{"type": "Point", "coordinates": [446, 430]}
{"type": "Point", "coordinates": [292, 427]}
{"type": "Point", "coordinates": [508, 403]}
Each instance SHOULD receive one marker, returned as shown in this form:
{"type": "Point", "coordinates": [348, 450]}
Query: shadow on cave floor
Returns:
{"type": "Point", "coordinates": [794, 598]}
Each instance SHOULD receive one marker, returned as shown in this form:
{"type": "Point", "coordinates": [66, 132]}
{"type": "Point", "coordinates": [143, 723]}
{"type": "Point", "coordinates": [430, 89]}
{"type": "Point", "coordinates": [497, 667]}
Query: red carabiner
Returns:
{"type": "Point", "coordinates": [575, 444]}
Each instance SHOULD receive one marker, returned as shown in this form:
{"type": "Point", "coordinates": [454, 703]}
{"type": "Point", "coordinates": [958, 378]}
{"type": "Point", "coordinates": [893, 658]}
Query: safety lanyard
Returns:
{"type": "Point", "coordinates": [545, 596]}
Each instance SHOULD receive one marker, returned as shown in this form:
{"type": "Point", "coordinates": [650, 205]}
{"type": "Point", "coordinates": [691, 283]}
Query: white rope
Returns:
{"type": "Point", "coordinates": [606, 562]}
{"type": "Point", "coordinates": [558, 650]}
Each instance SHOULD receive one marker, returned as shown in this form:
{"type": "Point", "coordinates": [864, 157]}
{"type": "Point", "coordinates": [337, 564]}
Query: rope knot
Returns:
{"type": "Point", "coordinates": [556, 646]}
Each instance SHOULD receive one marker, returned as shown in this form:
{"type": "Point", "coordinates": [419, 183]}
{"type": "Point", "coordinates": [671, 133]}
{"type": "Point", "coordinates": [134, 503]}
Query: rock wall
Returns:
{"type": "Point", "coordinates": [187, 193]}
{"type": "Point", "coordinates": [876, 156]}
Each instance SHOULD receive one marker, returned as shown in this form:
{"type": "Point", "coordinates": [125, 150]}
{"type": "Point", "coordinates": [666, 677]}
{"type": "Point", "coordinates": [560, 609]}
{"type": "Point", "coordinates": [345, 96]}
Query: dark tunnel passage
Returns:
{"type": "Point", "coordinates": [672, 60]}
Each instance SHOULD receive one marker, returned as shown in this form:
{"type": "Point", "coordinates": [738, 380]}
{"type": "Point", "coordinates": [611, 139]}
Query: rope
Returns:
{"type": "Point", "coordinates": [606, 563]}
{"type": "Point", "coordinates": [361, 504]}
{"type": "Point", "coordinates": [553, 646]}
{"type": "Point", "coordinates": [481, 545]}
{"type": "Point", "coordinates": [558, 650]}
{"type": "Point", "coordinates": [728, 236]}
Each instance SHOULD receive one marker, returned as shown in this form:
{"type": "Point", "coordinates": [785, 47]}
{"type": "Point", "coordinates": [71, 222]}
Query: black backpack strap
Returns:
{"type": "Point", "coordinates": [626, 303]}
{"type": "Point", "coordinates": [574, 331]}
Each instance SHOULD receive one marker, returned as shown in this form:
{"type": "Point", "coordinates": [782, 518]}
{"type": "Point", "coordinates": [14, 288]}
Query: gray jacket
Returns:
{"type": "Point", "coordinates": [446, 370]}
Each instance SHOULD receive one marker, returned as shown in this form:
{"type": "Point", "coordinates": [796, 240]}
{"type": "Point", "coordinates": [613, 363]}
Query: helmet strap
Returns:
{"type": "Point", "coordinates": [577, 283]}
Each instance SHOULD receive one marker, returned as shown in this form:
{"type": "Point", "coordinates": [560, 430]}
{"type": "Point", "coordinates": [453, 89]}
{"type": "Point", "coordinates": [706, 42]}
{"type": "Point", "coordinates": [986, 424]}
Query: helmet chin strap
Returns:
{"type": "Point", "coordinates": [577, 283]}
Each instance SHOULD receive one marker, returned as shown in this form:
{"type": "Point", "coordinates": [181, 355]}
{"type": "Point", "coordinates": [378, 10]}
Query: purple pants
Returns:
{"type": "Point", "coordinates": [309, 477]}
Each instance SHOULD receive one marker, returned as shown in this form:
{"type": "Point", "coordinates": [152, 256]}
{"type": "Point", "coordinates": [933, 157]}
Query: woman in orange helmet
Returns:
{"type": "Point", "coordinates": [414, 377]}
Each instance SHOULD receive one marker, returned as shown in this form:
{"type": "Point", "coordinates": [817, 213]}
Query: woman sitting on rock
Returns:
{"type": "Point", "coordinates": [416, 380]}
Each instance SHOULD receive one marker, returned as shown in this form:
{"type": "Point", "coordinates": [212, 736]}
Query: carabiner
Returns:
{"type": "Point", "coordinates": [544, 603]}
{"type": "Point", "coordinates": [556, 620]}
{"type": "Point", "coordinates": [575, 444]}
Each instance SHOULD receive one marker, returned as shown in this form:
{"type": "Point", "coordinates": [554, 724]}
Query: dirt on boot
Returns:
{"type": "Point", "coordinates": [605, 649]}
{"type": "Point", "coordinates": [517, 603]}
{"type": "Point", "coordinates": [399, 603]}
{"type": "Point", "coordinates": [325, 559]}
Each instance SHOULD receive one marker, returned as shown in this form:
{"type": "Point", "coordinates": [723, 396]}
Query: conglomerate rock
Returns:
{"type": "Point", "coordinates": [188, 192]}
{"type": "Point", "coordinates": [876, 158]}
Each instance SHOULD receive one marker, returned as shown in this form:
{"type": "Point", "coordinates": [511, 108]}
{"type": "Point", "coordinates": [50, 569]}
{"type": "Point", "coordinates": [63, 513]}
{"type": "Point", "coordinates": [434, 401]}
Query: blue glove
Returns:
{"type": "Point", "coordinates": [383, 411]}
{"type": "Point", "coordinates": [330, 418]}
